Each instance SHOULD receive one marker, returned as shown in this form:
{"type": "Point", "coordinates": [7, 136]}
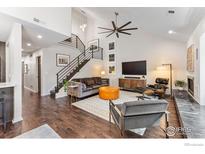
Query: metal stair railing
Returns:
{"type": "Point", "coordinates": [73, 67]}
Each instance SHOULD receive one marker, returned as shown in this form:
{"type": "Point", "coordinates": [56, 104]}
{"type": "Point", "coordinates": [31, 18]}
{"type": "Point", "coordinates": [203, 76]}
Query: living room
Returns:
{"type": "Point", "coordinates": [107, 72]}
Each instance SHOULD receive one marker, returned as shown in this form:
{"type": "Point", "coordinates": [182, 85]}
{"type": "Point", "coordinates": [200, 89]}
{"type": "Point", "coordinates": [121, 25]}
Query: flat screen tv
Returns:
{"type": "Point", "coordinates": [134, 68]}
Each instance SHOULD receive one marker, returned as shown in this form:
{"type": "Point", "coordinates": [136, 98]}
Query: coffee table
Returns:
{"type": "Point", "coordinates": [109, 93]}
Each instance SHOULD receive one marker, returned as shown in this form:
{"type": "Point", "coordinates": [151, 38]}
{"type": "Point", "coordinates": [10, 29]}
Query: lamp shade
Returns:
{"type": "Point", "coordinates": [102, 72]}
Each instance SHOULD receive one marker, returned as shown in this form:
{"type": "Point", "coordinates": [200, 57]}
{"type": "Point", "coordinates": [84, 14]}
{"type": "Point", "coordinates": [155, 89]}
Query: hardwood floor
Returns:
{"type": "Point", "coordinates": [71, 122]}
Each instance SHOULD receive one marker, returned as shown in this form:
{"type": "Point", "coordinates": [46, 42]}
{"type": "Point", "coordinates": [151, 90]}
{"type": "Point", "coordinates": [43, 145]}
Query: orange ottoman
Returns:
{"type": "Point", "coordinates": [109, 93]}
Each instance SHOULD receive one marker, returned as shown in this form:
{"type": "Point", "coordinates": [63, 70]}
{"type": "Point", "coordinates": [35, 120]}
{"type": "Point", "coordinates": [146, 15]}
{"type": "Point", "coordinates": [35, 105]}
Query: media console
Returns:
{"type": "Point", "coordinates": [131, 83]}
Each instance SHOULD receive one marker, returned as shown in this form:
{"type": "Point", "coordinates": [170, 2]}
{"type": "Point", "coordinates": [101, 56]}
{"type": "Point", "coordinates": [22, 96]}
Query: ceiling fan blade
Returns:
{"type": "Point", "coordinates": [114, 26]}
{"type": "Point", "coordinates": [105, 28]}
{"type": "Point", "coordinates": [124, 25]}
{"type": "Point", "coordinates": [125, 33]}
{"type": "Point", "coordinates": [117, 35]}
{"type": "Point", "coordinates": [105, 32]}
{"type": "Point", "coordinates": [128, 29]}
{"type": "Point", "coordinates": [110, 34]}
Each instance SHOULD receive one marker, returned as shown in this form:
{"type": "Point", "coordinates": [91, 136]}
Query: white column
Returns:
{"type": "Point", "coordinates": [202, 70]}
{"type": "Point", "coordinates": [14, 49]}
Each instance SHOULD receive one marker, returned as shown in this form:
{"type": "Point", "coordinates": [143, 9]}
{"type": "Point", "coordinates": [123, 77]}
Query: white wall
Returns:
{"type": "Point", "coordinates": [92, 69]}
{"type": "Point", "coordinates": [198, 40]}
{"type": "Point", "coordinates": [57, 19]}
{"type": "Point", "coordinates": [77, 19]}
{"type": "Point", "coordinates": [142, 46]}
{"type": "Point", "coordinates": [14, 67]}
{"type": "Point", "coordinates": [48, 67]}
{"type": "Point", "coordinates": [31, 78]}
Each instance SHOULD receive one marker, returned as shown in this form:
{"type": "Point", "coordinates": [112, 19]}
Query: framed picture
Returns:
{"type": "Point", "coordinates": [62, 60]}
{"type": "Point", "coordinates": [112, 69]}
{"type": "Point", "coordinates": [94, 44]}
{"type": "Point", "coordinates": [111, 57]}
{"type": "Point", "coordinates": [112, 46]}
{"type": "Point", "coordinates": [190, 59]}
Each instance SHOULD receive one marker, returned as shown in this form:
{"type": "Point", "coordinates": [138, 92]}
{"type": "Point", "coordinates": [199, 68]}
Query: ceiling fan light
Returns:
{"type": "Point", "coordinates": [83, 26]}
{"type": "Point", "coordinates": [117, 29]}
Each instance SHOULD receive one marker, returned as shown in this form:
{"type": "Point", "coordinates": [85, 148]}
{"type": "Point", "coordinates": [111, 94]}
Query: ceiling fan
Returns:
{"type": "Point", "coordinates": [117, 29]}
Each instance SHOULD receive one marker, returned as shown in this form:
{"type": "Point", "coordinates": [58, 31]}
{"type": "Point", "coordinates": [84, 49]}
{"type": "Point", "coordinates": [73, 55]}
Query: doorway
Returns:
{"type": "Point", "coordinates": [39, 74]}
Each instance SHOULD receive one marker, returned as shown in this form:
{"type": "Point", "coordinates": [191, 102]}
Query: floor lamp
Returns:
{"type": "Point", "coordinates": [170, 73]}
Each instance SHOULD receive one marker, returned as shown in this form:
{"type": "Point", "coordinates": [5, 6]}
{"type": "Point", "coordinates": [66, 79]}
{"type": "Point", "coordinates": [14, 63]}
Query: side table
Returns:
{"type": "Point", "coordinates": [72, 92]}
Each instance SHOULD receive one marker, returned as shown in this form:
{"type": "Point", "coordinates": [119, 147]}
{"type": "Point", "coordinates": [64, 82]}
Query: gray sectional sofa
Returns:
{"type": "Point", "coordinates": [87, 86]}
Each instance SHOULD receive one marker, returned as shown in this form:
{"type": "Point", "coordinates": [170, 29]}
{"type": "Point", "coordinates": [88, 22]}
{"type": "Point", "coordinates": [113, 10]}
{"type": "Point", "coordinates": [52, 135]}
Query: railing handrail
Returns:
{"type": "Point", "coordinates": [70, 66]}
{"type": "Point", "coordinates": [83, 53]}
{"type": "Point", "coordinates": [67, 71]}
{"type": "Point", "coordinates": [72, 61]}
{"type": "Point", "coordinates": [86, 54]}
{"type": "Point", "coordinates": [77, 39]}
{"type": "Point", "coordinates": [80, 41]}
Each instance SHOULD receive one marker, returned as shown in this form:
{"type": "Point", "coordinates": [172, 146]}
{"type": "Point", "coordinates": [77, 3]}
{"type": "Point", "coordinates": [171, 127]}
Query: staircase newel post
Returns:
{"type": "Point", "coordinates": [76, 42]}
{"type": "Point", "coordinates": [78, 61]}
{"type": "Point", "coordinates": [92, 51]}
{"type": "Point", "coordinates": [101, 53]}
{"type": "Point", "coordinates": [57, 80]}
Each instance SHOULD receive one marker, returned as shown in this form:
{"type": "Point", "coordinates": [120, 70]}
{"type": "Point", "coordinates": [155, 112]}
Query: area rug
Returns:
{"type": "Point", "coordinates": [100, 108]}
{"type": "Point", "coordinates": [44, 131]}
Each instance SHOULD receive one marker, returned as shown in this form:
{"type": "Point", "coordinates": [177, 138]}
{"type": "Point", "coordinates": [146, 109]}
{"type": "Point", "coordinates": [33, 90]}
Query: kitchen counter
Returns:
{"type": "Point", "coordinates": [6, 85]}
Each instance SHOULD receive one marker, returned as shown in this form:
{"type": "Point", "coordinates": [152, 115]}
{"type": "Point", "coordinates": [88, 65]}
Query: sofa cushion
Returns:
{"type": "Point", "coordinates": [96, 86]}
{"type": "Point", "coordinates": [76, 80]}
{"type": "Point", "coordinates": [89, 82]}
{"type": "Point", "coordinates": [104, 84]}
{"type": "Point", "coordinates": [97, 80]}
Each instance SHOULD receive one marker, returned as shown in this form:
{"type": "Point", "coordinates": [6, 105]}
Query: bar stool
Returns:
{"type": "Point", "coordinates": [3, 105]}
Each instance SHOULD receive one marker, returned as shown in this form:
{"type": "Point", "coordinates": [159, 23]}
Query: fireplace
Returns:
{"type": "Point", "coordinates": [191, 85]}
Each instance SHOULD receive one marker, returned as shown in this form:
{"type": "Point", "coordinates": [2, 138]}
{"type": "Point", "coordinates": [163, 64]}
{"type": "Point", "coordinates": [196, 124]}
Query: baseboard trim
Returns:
{"type": "Point", "coordinates": [30, 89]}
{"type": "Point", "coordinates": [17, 120]}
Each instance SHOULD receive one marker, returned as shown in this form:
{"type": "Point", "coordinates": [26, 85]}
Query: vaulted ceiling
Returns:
{"type": "Point", "coordinates": [155, 20]}
{"type": "Point", "coordinates": [29, 34]}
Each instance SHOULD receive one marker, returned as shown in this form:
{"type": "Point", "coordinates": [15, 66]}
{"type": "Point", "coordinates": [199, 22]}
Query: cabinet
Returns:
{"type": "Point", "coordinates": [7, 95]}
{"type": "Point", "coordinates": [131, 84]}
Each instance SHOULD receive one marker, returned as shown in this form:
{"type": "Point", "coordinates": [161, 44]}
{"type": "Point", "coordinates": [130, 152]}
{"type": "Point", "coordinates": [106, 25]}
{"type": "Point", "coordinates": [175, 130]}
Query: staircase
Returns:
{"type": "Point", "coordinates": [66, 73]}
{"type": "Point", "coordinates": [75, 42]}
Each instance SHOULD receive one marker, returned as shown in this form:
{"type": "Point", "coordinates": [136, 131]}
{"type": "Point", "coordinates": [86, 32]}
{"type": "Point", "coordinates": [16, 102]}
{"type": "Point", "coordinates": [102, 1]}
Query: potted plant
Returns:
{"type": "Point", "coordinates": [65, 85]}
{"type": "Point", "coordinates": [180, 84]}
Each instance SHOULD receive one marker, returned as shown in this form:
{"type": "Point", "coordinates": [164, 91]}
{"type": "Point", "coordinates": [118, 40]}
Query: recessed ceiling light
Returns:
{"type": "Point", "coordinates": [28, 44]}
{"type": "Point", "coordinates": [39, 36]}
{"type": "Point", "coordinates": [171, 32]}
